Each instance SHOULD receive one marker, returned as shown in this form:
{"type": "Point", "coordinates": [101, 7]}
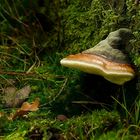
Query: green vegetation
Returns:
{"type": "Point", "coordinates": [34, 37]}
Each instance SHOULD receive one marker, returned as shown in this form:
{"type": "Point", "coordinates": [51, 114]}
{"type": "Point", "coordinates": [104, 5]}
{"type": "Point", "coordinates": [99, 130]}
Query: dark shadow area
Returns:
{"type": "Point", "coordinates": [92, 92]}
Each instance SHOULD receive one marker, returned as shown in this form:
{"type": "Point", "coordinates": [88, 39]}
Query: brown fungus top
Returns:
{"type": "Point", "coordinates": [106, 59]}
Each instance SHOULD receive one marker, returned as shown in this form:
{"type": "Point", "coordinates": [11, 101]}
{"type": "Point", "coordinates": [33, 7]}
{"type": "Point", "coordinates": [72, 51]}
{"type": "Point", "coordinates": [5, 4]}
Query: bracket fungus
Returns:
{"type": "Point", "coordinates": [107, 58]}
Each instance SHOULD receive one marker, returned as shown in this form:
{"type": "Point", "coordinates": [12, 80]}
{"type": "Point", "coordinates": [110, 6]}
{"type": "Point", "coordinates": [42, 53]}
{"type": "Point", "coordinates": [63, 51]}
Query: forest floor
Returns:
{"type": "Point", "coordinates": [49, 102]}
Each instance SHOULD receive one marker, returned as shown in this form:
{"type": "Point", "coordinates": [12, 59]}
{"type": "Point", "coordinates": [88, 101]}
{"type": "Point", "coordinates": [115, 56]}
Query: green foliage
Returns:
{"type": "Point", "coordinates": [31, 24]}
{"type": "Point", "coordinates": [96, 125]}
{"type": "Point", "coordinates": [134, 16]}
{"type": "Point", "coordinates": [87, 24]}
{"type": "Point", "coordinates": [83, 127]}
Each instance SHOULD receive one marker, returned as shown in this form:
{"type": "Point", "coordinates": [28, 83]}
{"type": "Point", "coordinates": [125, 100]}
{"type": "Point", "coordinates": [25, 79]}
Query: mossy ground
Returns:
{"type": "Point", "coordinates": [30, 54]}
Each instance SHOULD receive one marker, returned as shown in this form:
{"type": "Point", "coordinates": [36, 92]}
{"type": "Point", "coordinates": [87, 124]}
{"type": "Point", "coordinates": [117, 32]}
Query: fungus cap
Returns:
{"type": "Point", "coordinates": [105, 59]}
{"type": "Point", "coordinates": [117, 73]}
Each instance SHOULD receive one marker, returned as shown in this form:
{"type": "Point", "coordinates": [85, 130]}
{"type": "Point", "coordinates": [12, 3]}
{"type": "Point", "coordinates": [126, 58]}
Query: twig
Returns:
{"type": "Point", "coordinates": [29, 74]}
{"type": "Point", "coordinates": [90, 102]}
{"type": "Point", "coordinates": [62, 88]}
{"type": "Point", "coordinates": [16, 73]}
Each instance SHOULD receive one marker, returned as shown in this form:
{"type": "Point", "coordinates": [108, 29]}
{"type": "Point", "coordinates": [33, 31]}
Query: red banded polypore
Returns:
{"type": "Point", "coordinates": [114, 72]}
{"type": "Point", "coordinates": [105, 59]}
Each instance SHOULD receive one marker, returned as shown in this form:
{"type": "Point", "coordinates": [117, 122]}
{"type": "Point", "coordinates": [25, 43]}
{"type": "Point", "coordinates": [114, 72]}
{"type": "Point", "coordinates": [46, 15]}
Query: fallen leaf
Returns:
{"type": "Point", "coordinates": [1, 114]}
{"type": "Point", "coordinates": [13, 97]}
{"type": "Point", "coordinates": [21, 95]}
{"type": "Point", "coordinates": [10, 90]}
{"type": "Point", "coordinates": [9, 94]}
{"type": "Point", "coordinates": [31, 107]}
{"type": "Point", "coordinates": [61, 117]}
{"type": "Point", "coordinates": [25, 108]}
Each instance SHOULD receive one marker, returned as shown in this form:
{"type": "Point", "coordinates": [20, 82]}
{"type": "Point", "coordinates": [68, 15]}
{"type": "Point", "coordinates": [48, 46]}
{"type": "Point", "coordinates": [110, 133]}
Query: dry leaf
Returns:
{"type": "Point", "coordinates": [61, 117]}
{"type": "Point", "coordinates": [25, 108]}
{"type": "Point", "coordinates": [8, 96]}
{"type": "Point", "coordinates": [13, 97]}
{"type": "Point", "coordinates": [30, 107]}
{"type": "Point", "coordinates": [10, 90]}
{"type": "Point", "coordinates": [21, 95]}
{"type": "Point", "coordinates": [1, 114]}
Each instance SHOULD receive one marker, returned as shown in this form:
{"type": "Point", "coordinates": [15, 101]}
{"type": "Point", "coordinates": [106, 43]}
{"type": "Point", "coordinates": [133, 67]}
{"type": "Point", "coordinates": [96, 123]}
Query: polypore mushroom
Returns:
{"type": "Point", "coordinates": [106, 59]}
